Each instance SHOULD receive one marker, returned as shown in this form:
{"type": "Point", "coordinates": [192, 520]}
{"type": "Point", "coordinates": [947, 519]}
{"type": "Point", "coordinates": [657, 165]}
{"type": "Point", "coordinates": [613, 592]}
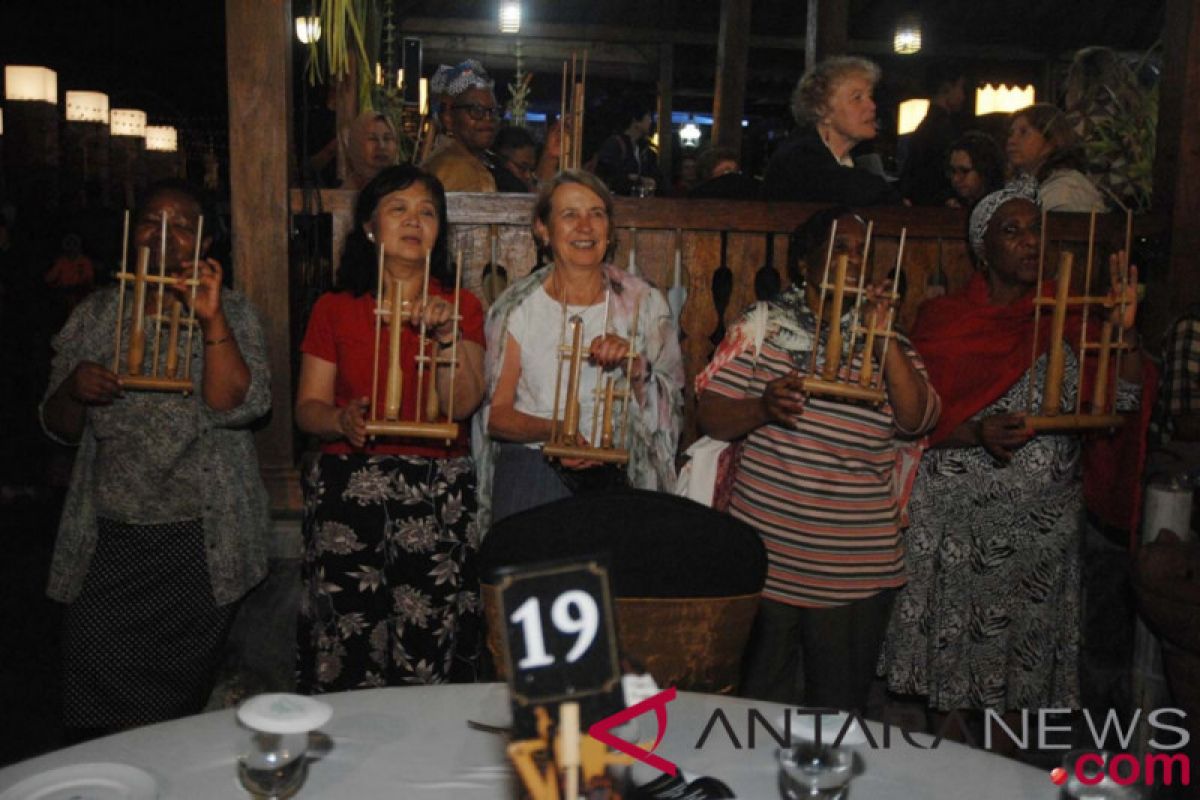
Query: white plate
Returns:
{"type": "Point", "coordinates": [86, 782]}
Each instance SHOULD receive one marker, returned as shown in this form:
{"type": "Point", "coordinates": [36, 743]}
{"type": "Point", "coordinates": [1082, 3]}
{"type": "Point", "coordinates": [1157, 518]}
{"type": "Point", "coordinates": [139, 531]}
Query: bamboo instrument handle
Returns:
{"type": "Point", "coordinates": [395, 383]}
{"type": "Point", "coordinates": [1052, 395]}
{"type": "Point", "coordinates": [137, 333]}
{"type": "Point", "coordinates": [833, 349]}
{"type": "Point", "coordinates": [606, 426]}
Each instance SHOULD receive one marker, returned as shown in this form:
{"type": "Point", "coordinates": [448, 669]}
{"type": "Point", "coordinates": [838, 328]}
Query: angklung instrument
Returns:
{"type": "Point", "coordinates": [426, 421]}
{"type": "Point", "coordinates": [570, 116]}
{"type": "Point", "coordinates": [561, 762]}
{"type": "Point", "coordinates": [164, 373]}
{"type": "Point", "coordinates": [1108, 347]}
{"type": "Point", "coordinates": [605, 443]}
{"type": "Point", "coordinates": [831, 363]}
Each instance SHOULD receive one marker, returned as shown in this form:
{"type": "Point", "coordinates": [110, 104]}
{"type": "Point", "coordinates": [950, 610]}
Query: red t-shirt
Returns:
{"type": "Point", "coordinates": [341, 331]}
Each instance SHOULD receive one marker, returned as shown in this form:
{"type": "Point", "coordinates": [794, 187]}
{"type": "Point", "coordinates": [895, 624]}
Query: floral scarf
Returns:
{"type": "Point", "coordinates": [655, 422]}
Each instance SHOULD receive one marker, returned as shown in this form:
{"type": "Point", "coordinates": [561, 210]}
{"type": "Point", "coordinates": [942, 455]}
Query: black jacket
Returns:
{"type": "Point", "coordinates": [804, 171]}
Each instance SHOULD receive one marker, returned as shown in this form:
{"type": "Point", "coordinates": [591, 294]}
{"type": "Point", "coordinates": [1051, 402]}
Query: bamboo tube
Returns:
{"type": "Point", "coordinates": [629, 359]}
{"type": "Point", "coordinates": [395, 384]}
{"type": "Point", "coordinates": [570, 432]}
{"type": "Point", "coordinates": [422, 342]}
{"type": "Point", "coordinates": [833, 347]}
{"type": "Point", "coordinates": [191, 319]}
{"type": "Point", "coordinates": [891, 323]}
{"type": "Point", "coordinates": [162, 287]}
{"type": "Point", "coordinates": [1052, 394]}
{"type": "Point", "coordinates": [606, 427]}
{"type": "Point", "coordinates": [454, 332]}
{"type": "Point", "coordinates": [116, 361]}
{"type": "Point", "coordinates": [379, 306]}
{"type": "Point", "coordinates": [137, 332]}
{"type": "Point", "coordinates": [1087, 288]}
{"type": "Point", "coordinates": [1124, 285]}
{"type": "Point", "coordinates": [172, 365]}
{"type": "Point", "coordinates": [1100, 387]}
{"type": "Point", "coordinates": [859, 301]}
{"type": "Point", "coordinates": [1037, 310]}
{"type": "Point", "coordinates": [568, 748]}
{"type": "Point", "coordinates": [564, 141]}
{"type": "Point", "coordinates": [812, 364]}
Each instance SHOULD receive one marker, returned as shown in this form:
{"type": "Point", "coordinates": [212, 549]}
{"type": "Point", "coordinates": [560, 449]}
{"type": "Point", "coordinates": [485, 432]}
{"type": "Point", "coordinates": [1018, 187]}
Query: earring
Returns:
{"type": "Point", "coordinates": [370, 236]}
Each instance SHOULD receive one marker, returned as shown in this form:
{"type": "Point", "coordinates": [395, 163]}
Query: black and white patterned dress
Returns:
{"type": "Point", "coordinates": [991, 614]}
{"type": "Point", "coordinates": [390, 588]}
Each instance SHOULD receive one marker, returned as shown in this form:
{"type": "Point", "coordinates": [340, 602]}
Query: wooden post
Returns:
{"type": "Point", "coordinates": [826, 30]}
{"type": "Point", "coordinates": [258, 42]}
{"type": "Point", "coordinates": [666, 141]}
{"type": "Point", "coordinates": [1177, 163]}
{"type": "Point", "coordinates": [733, 51]}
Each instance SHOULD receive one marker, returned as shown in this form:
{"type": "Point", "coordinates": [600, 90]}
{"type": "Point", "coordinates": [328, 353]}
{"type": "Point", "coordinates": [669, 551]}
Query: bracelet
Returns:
{"type": "Point", "coordinates": [215, 342]}
{"type": "Point", "coordinates": [451, 343]}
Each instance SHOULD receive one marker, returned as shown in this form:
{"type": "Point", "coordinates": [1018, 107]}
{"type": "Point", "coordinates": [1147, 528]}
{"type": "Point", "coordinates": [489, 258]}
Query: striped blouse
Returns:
{"type": "Point", "coordinates": [824, 496]}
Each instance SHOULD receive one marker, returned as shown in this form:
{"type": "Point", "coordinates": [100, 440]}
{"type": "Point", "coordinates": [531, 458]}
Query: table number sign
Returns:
{"type": "Point", "coordinates": [560, 638]}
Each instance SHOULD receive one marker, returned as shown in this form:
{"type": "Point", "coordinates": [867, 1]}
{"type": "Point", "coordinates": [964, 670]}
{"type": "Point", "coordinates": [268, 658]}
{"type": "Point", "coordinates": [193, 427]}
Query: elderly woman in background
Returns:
{"type": "Point", "coordinates": [372, 145]}
{"type": "Point", "coordinates": [390, 590]}
{"type": "Point", "coordinates": [835, 108]}
{"type": "Point", "coordinates": [990, 618]}
{"type": "Point", "coordinates": [1042, 144]}
{"type": "Point", "coordinates": [468, 117]}
{"type": "Point", "coordinates": [525, 329]}
{"type": "Point", "coordinates": [818, 478]}
{"type": "Point", "coordinates": [975, 167]}
{"type": "Point", "coordinates": [165, 523]}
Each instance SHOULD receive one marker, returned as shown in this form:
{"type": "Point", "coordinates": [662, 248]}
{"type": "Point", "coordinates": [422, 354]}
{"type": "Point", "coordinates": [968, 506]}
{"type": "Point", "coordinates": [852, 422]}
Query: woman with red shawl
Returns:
{"type": "Point", "coordinates": [990, 618]}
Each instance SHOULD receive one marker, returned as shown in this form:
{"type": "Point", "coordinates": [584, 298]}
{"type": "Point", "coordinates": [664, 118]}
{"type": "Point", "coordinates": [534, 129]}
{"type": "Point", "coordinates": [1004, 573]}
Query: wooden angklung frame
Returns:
{"type": "Point", "coordinates": [165, 373]}
{"type": "Point", "coordinates": [570, 115]}
{"type": "Point", "coordinates": [426, 421]}
{"type": "Point", "coordinates": [1100, 412]}
{"type": "Point", "coordinates": [605, 443]}
{"type": "Point", "coordinates": [831, 376]}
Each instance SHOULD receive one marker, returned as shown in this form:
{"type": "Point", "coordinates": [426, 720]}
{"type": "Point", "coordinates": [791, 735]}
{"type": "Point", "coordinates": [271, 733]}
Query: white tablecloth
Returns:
{"type": "Point", "coordinates": [414, 743]}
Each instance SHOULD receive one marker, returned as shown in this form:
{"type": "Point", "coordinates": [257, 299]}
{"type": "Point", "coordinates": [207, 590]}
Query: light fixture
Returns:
{"type": "Point", "coordinates": [127, 122]}
{"type": "Point", "coordinates": [910, 116]}
{"type": "Point", "coordinates": [689, 134]}
{"type": "Point", "coordinates": [1001, 99]}
{"type": "Point", "coordinates": [908, 35]}
{"type": "Point", "coordinates": [1, 121]}
{"type": "Point", "coordinates": [400, 78]}
{"type": "Point", "coordinates": [163, 138]}
{"type": "Point", "coordinates": [424, 95]}
{"type": "Point", "coordinates": [31, 83]}
{"type": "Point", "coordinates": [87, 107]}
{"type": "Point", "coordinates": [510, 16]}
{"type": "Point", "coordinates": [308, 29]}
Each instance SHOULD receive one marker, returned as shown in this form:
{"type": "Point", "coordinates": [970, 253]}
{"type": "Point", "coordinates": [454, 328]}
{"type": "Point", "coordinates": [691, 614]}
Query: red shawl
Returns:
{"type": "Point", "coordinates": [975, 352]}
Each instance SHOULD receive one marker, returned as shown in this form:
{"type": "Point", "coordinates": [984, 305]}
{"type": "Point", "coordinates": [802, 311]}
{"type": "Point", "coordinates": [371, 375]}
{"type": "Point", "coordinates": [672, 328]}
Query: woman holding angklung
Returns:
{"type": "Point", "coordinates": [391, 595]}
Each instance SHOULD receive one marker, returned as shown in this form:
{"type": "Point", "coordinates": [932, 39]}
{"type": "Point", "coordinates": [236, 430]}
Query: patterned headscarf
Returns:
{"type": "Point", "coordinates": [1023, 188]}
{"type": "Point", "coordinates": [453, 81]}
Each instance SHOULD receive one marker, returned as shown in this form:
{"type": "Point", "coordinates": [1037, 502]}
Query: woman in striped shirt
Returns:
{"type": "Point", "coordinates": [820, 479]}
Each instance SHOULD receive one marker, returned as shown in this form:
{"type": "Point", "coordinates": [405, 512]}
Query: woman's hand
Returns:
{"type": "Point", "coordinates": [608, 351]}
{"type": "Point", "coordinates": [877, 308]}
{"type": "Point", "coordinates": [580, 463]}
{"type": "Point", "coordinates": [92, 384]}
{"type": "Point", "coordinates": [783, 400]}
{"type": "Point", "coordinates": [438, 317]}
{"type": "Point", "coordinates": [208, 292]}
{"type": "Point", "coordinates": [1124, 310]}
{"type": "Point", "coordinates": [352, 421]}
{"type": "Point", "coordinates": [1002, 435]}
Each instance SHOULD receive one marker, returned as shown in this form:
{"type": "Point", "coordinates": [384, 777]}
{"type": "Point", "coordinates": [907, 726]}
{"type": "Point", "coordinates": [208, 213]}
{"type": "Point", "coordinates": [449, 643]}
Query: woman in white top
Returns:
{"type": "Point", "coordinates": [525, 329]}
{"type": "Point", "coordinates": [1041, 143]}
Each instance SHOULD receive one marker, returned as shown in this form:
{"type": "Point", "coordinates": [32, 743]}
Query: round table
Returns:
{"type": "Point", "coordinates": [415, 743]}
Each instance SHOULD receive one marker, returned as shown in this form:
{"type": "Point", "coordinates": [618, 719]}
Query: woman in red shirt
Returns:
{"type": "Point", "coordinates": [391, 594]}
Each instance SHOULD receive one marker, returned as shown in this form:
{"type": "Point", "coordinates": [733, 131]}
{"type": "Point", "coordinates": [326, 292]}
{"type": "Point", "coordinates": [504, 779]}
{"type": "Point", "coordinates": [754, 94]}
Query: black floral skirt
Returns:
{"type": "Point", "coordinates": [390, 584]}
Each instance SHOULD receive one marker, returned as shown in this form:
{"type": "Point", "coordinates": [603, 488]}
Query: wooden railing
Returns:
{"type": "Point", "coordinates": [935, 246]}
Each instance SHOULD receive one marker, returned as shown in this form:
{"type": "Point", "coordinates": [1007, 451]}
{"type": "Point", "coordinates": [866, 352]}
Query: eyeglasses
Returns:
{"type": "Point", "coordinates": [478, 112]}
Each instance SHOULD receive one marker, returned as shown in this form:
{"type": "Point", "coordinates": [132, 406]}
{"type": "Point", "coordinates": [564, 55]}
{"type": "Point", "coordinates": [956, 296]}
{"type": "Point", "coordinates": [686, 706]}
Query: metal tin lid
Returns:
{"type": "Point", "coordinates": [284, 713]}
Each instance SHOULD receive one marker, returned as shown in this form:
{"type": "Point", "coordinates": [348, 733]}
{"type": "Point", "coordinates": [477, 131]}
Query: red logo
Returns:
{"type": "Point", "coordinates": [600, 730]}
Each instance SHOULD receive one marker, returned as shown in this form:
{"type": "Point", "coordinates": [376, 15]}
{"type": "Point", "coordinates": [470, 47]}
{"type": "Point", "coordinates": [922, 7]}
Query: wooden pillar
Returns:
{"type": "Point", "coordinates": [1177, 161]}
{"type": "Point", "coordinates": [666, 100]}
{"type": "Point", "coordinates": [826, 30]}
{"type": "Point", "coordinates": [733, 51]}
{"type": "Point", "coordinates": [258, 42]}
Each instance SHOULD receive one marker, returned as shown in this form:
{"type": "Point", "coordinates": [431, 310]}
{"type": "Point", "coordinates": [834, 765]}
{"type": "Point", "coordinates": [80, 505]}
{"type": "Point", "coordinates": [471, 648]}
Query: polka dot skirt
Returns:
{"type": "Point", "coordinates": [141, 642]}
